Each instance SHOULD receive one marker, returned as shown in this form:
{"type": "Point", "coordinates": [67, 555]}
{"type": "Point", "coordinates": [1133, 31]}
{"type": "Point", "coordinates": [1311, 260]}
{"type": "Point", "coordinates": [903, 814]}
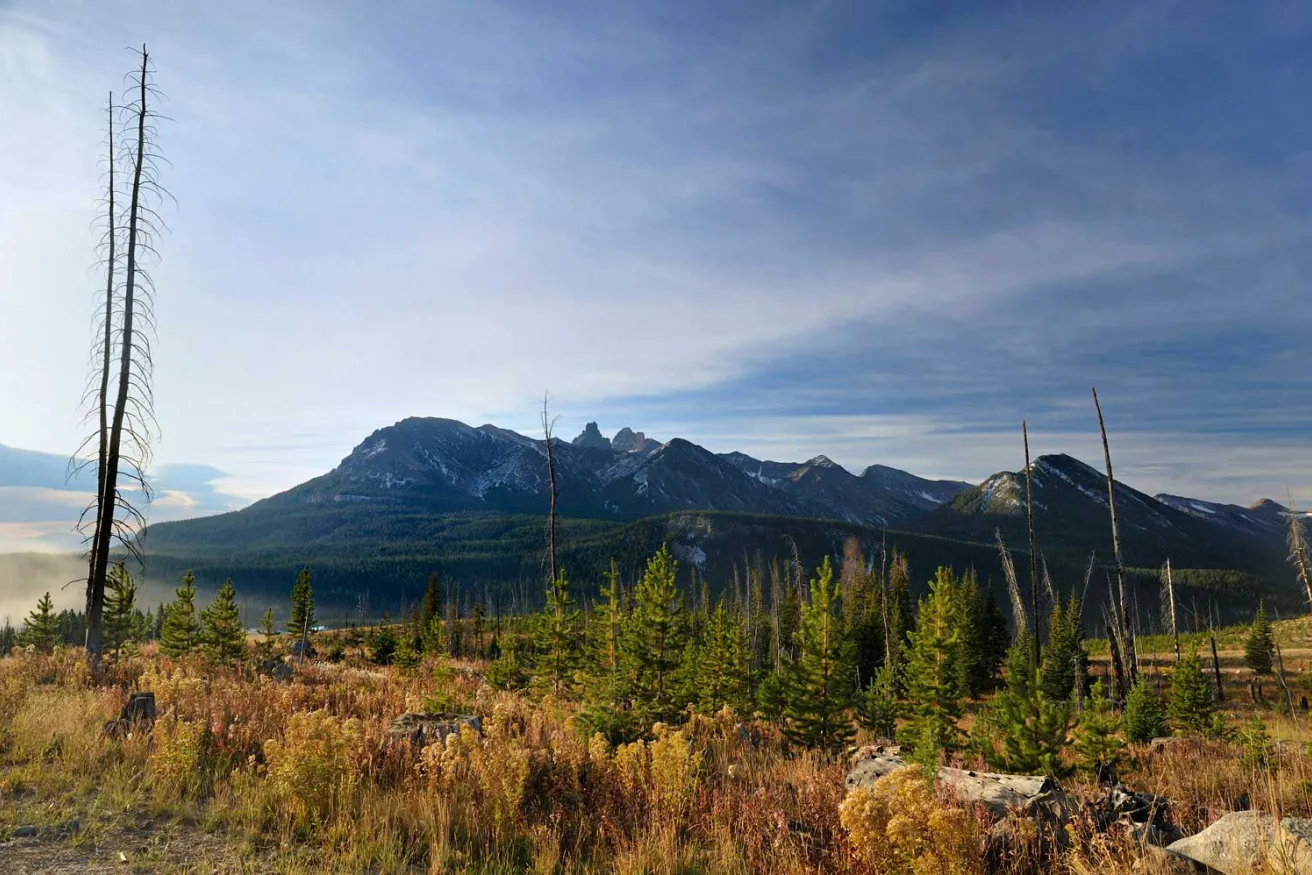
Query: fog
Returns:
{"type": "Point", "coordinates": [25, 577]}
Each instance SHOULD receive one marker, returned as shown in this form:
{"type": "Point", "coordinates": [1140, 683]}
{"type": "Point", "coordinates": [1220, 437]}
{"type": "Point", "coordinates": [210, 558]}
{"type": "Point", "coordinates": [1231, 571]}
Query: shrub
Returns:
{"type": "Point", "coordinates": [897, 826]}
{"type": "Point", "coordinates": [179, 760]}
{"type": "Point", "coordinates": [315, 763]}
{"type": "Point", "coordinates": [1145, 713]}
{"type": "Point", "coordinates": [1097, 742]}
{"type": "Point", "coordinates": [675, 770]}
{"type": "Point", "coordinates": [1255, 745]}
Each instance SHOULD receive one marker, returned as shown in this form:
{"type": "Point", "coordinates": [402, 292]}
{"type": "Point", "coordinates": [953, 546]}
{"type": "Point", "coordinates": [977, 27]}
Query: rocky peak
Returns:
{"type": "Point", "coordinates": [591, 437]}
{"type": "Point", "coordinates": [627, 440]}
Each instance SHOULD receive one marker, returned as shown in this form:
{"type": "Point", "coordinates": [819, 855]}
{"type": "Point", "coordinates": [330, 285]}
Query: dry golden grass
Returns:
{"type": "Point", "coordinates": [298, 777]}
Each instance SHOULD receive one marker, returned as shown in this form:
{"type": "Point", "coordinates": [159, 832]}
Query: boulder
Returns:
{"type": "Point", "coordinates": [424, 729]}
{"type": "Point", "coordinates": [1000, 794]}
{"type": "Point", "coordinates": [1159, 861]}
{"type": "Point", "coordinates": [1247, 841]}
{"type": "Point", "coordinates": [276, 669]}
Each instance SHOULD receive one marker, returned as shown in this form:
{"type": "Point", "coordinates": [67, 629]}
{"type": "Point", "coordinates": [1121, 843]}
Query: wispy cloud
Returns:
{"type": "Point", "coordinates": [878, 231]}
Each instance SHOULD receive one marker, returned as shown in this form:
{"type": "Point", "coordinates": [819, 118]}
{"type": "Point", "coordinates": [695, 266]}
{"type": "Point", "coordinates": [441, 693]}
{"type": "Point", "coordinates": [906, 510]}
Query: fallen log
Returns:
{"type": "Point", "coordinates": [1000, 794]}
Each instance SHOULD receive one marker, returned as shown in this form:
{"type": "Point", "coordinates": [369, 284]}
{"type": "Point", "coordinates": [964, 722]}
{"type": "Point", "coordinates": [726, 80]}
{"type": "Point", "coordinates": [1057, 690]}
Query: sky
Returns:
{"type": "Point", "coordinates": [882, 231]}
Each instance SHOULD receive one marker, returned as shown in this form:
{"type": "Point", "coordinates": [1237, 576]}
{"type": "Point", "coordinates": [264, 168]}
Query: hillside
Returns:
{"type": "Point", "coordinates": [468, 502]}
{"type": "Point", "coordinates": [1071, 521]}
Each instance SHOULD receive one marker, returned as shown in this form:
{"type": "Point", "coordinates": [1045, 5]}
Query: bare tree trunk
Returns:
{"type": "Point", "coordinates": [1029, 522]}
{"type": "Point", "coordinates": [106, 365]}
{"type": "Point", "coordinates": [111, 500]}
{"type": "Point", "coordinates": [1169, 613]}
{"type": "Point", "coordinates": [1216, 670]}
{"type": "Point", "coordinates": [1123, 616]}
{"type": "Point", "coordinates": [547, 425]}
{"type": "Point", "coordinates": [1298, 551]}
{"type": "Point", "coordinates": [1284, 685]}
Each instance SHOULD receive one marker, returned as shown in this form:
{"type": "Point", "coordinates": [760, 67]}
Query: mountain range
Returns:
{"type": "Point", "coordinates": [429, 492]}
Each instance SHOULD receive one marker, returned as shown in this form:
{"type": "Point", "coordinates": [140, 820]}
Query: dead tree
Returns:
{"type": "Point", "coordinates": [1126, 634]}
{"type": "Point", "coordinates": [1013, 589]}
{"type": "Point", "coordinates": [1029, 523]}
{"type": "Point", "coordinates": [1168, 607]}
{"type": "Point", "coordinates": [1298, 548]}
{"type": "Point", "coordinates": [548, 425]}
{"type": "Point", "coordinates": [129, 423]}
{"type": "Point", "coordinates": [97, 395]}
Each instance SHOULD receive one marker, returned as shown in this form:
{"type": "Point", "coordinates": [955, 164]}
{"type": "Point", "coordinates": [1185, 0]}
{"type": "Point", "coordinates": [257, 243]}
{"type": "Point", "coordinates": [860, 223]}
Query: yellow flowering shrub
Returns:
{"type": "Point", "coordinates": [178, 756]}
{"type": "Point", "coordinates": [898, 826]}
{"type": "Point", "coordinates": [675, 771]}
{"type": "Point", "coordinates": [318, 760]}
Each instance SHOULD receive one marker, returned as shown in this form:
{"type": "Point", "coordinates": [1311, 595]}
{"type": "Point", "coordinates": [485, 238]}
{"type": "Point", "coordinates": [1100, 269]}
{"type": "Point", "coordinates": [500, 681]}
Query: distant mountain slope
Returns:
{"type": "Point", "coordinates": [1071, 517]}
{"type": "Point", "coordinates": [430, 494]}
{"type": "Point", "coordinates": [1266, 520]}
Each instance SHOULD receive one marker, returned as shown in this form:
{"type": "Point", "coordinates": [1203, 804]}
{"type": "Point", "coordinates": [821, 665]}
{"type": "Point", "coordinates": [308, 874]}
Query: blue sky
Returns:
{"type": "Point", "coordinates": [886, 232]}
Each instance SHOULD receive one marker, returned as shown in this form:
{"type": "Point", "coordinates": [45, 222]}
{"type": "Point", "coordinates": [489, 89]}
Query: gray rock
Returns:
{"type": "Point", "coordinates": [1159, 861]}
{"type": "Point", "coordinates": [276, 669]}
{"type": "Point", "coordinates": [23, 832]}
{"type": "Point", "coordinates": [1246, 841]}
{"type": "Point", "coordinates": [1151, 834]}
{"type": "Point", "coordinates": [137, 713]}
{"type": "Point", "coordinates": [1001, 794]}
{"type": "Point", "coordinates": [425, 729]}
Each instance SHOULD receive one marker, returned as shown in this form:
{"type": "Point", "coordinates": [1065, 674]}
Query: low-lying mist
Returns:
{"type": "Point", "coordinates": [25, 577]}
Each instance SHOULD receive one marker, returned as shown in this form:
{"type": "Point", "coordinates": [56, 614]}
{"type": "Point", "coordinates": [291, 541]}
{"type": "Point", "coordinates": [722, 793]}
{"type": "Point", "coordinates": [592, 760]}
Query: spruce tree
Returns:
{"type": "Point", "coordinates": [862, 612]}
{"type": "Point", "coordinates": [181, 634]}
{"type": "Point", "coordinates": [724, 675]}
{"type": "Point", "coordinates": [933, 672]}
{"type": "Point", "coordinates": [120, 625]}
{"type": "Point", "coordinates": [1260, 644]}
{"type": "Point", "coordinates": [1033, 731]}
{"type": "Point", "coordinates": [268, 631]}
{"type": "Point", "coordinates": [430, 614]}
{"type": "Point", "coordinates": [40, 629]}
{"type": "Point", "coordinates": [772, 692]}
{"type": "Point", "coordinates": [302, 616]}
{"type": "Point", "coordinates": [1145, 713]}
{"type": "Point", "coordinates": [878, 710]}
{"type": "Point", "coordinates": [1096, 740]}
{"type": "Point", "coordinates": [606, 683]}
{"type": "Point", "coordinates": [559, 638]}
{"type": "Point", "coordinates": [1020, 664]}
{"type": "Point", "coordinates": [222, 635]}
{"type": "Point", "coordinates": [900, 608]}
{"type": "Point", "coordinates": [992, 640]}
{"type": "Point", "coordinates": [1064, 660]}
{"type": "Point", "coordinates": [654, 639]}
{"type": "Point", "coordinates": [1191, 704]}
{"type": "Point", "coordinates": [820, 688]}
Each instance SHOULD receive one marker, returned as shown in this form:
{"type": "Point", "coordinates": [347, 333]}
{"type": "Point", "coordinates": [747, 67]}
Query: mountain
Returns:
{"type": "Point", "coordinates": [880, 496]}
{"type": "Point", "coordinates": [1265, 520]}
{"type": "Point", "coordinates": [437, 494]}
{"type": "Point", "coordinates": [446, 466]}
{"type": "Point", "coordinates": [1071, 518]}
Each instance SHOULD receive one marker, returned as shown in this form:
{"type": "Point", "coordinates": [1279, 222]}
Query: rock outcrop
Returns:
{"type": "Point", "coordinates": [1251, 841]}
{"type": "Point", "coordinates": [1000, 794]}
{"type": "Point", "coordinates": [423, 729]}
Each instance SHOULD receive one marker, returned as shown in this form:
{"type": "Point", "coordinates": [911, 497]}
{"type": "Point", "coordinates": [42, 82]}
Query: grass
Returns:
{"type": "Point", "coordinates": [244, 774]}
